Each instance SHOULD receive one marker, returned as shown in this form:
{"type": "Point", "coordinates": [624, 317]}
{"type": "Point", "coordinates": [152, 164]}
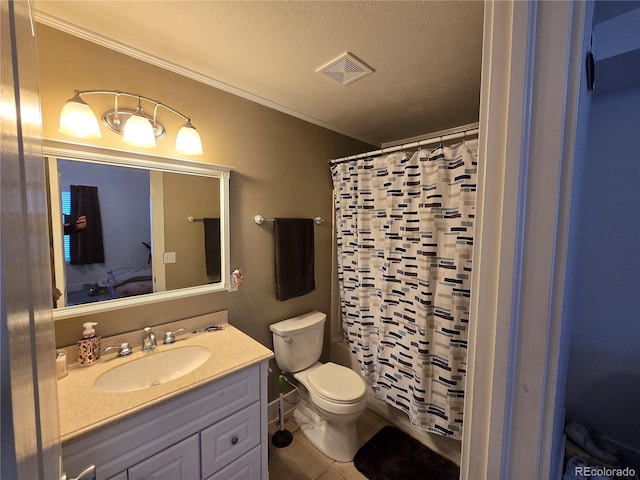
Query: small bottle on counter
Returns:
{"type": "Point", "coordinates": [89, 346]}
{"type": "Point", "coordinates": [61, 363]}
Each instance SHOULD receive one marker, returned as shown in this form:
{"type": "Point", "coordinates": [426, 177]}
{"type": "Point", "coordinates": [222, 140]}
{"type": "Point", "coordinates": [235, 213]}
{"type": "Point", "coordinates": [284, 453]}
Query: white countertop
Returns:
{"type": "Point", "coordinates": [83, 408]}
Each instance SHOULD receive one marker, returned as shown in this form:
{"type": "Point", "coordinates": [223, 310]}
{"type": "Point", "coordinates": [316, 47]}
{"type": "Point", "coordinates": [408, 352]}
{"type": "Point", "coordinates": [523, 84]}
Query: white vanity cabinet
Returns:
{"type": "Point", "coordinates": [215, 431]}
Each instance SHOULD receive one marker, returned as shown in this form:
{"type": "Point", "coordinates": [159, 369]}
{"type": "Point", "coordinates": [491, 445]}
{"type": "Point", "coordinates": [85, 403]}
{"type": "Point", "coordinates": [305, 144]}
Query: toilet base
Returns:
{"type": "Point", "coordinates": [336, 440]}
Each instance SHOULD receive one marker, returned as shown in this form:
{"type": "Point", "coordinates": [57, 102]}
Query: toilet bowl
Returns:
{"type": "Point", "coordinates": [333, 399]}
{"type": "Point", "coordinates": [336, 390]}
{"type": "Point", "coordinates": [333, 396]}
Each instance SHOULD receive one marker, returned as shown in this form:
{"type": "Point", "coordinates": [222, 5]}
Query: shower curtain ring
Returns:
{"type": "Point", "coordinates": [439, 145]}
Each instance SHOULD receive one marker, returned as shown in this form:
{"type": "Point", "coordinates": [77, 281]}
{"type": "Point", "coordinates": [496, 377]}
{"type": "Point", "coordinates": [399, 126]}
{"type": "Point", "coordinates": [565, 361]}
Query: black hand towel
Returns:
{"type": "Point", "coordinates": [212, 248]}
{"type": "Point", "coordinates": [293, 242]}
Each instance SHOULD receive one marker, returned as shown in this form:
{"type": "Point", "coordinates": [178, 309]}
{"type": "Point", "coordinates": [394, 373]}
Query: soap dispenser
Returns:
{"type": "Point", "coordinates": [89, 346]}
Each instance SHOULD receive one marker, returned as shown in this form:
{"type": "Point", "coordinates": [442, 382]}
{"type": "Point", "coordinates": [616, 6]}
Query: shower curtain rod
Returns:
{"type": "Point", "coordinates": [404, 146]}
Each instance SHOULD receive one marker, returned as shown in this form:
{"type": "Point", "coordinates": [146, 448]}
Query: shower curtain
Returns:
{"type": "Point", "coordinates": [404, 227]}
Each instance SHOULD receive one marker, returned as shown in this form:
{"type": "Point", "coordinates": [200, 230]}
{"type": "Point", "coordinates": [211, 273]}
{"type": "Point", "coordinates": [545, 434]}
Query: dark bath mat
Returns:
{"type": "Point", "coordinates": [391, 454]}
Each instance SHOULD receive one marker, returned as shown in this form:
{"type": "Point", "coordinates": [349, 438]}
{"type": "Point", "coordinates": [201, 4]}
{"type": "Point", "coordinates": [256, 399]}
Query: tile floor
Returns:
{"type": "Point", "coordinates": [302, 461]}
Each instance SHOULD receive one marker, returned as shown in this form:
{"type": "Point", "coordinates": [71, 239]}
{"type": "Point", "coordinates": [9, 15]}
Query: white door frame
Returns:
{"type": "Point", "coordinates": [29, 431]}
{"type": "Point", "coordinates": [532, 62]}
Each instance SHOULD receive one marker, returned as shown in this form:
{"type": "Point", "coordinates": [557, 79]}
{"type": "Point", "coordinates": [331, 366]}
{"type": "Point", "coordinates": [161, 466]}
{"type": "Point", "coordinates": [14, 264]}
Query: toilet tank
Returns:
{"type": "Point", "coordinates": [297, 341]}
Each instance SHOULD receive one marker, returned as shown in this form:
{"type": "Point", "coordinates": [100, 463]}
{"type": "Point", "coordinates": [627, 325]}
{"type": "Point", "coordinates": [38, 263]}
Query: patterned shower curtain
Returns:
{"type": "Point", "coordinates": [404, 228]}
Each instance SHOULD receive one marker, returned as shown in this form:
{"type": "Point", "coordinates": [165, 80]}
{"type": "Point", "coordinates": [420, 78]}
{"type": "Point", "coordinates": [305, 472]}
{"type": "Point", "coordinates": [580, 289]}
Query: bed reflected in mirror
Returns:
{"type": "Point", "coordinates": [123, 228]}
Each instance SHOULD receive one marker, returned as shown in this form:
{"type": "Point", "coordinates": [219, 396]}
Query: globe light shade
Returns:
{"type": "Point", "coordinates": [138, 131]}
{"type": "Point", "coordinates": [188, 141]}
{"type": "Point", "coordinates": [137, 128]}
{"type": "Point", "coordinates": [78, 120]}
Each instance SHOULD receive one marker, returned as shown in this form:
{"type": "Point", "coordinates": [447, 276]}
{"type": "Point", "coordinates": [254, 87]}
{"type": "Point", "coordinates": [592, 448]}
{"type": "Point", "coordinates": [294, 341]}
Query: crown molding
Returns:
{"type": "Point", "coordinates": [103, 41]}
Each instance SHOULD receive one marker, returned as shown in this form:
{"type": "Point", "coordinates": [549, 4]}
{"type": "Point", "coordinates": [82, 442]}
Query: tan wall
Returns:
{"type": "Point", "coordinates": [280, 170]}
{"type": "Point", "coordinates": [199, 197]}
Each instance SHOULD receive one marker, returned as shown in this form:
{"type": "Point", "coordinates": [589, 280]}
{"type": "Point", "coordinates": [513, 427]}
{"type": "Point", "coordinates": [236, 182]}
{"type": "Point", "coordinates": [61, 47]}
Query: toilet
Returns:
{"type": "Point", "coordinates": [332, 396]}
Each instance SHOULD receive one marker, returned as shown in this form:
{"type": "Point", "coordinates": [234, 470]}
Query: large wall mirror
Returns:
{"type": "Point", "coordinates": [129, 229]}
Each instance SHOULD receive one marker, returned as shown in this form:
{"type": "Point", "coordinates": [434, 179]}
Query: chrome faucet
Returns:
{"type": "Point", "coordinates": [149, 341]}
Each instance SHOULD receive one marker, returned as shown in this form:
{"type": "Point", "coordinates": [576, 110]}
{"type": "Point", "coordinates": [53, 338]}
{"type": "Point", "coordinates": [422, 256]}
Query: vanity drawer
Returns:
{"type": "Point", "coordinates": [247, 467]}
{"type": "Point", "coordinates": [228, 439]}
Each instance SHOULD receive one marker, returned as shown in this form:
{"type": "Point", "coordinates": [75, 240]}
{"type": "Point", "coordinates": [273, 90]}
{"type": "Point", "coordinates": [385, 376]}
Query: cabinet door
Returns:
{"type": "Point", "coordinates": [179, 462]}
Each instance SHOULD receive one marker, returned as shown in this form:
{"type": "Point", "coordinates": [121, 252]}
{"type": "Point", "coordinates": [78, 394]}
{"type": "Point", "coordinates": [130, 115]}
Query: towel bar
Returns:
{"type": "Point", "coordinates": [259, 219]}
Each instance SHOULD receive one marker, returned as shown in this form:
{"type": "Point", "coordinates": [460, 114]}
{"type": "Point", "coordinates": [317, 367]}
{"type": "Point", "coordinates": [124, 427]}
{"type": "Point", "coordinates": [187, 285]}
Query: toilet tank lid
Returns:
{"type": "Point", "coordinates": [299, 324]}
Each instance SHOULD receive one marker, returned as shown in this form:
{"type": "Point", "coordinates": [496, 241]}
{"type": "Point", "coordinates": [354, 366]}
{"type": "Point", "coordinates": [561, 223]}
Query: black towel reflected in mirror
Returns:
{"type": "Point", "coordinates": [212, 248]}
{"type": "Point", "coordinates": [294, 257]}
{"type": "Point", "coordinates": [86, 247]}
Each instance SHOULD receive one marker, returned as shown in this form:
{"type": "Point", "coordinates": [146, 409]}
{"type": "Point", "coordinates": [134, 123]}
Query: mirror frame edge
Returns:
{"type": "Point", "coordinates": [58, 149]}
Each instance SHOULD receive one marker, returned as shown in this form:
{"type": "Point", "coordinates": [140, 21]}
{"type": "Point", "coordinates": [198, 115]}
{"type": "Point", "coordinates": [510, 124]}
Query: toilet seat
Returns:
{"type": "Point", "coordinates": [336, 384]}
{"type": "Point", "coordinates": [334, 381]}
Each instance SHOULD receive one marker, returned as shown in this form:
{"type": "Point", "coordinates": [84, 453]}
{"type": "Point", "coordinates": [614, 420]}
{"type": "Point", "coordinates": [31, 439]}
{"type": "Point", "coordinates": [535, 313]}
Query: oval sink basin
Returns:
{"type": "Point", "coordinates": [154, 369]}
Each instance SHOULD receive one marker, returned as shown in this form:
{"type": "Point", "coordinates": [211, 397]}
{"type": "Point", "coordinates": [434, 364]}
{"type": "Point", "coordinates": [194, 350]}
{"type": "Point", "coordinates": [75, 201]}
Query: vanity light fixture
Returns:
{"type": "Point", "coordinates": [136, 127]}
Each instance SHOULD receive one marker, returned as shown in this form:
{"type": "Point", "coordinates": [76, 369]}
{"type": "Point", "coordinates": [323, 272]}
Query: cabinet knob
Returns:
{"type": "Point", "coordinates": [234, 440]}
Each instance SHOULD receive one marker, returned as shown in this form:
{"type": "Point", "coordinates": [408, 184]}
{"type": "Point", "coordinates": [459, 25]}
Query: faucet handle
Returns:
{"type": "Point", "coordinates": [124, 349]}
{"type": "Point", "coordinates": [170, 337]}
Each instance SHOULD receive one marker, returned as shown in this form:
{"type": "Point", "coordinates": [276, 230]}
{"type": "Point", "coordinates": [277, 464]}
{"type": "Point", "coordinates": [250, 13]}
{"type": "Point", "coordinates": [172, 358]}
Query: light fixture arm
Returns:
{"type": "Point", "coordinates": [136, 127]}
{"type": "Point", "coordinates": [155, 114]}
{"type": "Point", "coordinates": [132, 95]}
{"type": "Point", "coordinates": [115, 108]}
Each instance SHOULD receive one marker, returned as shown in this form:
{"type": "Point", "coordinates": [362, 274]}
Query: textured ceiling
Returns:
{"type": "Point", "coordinates": [426, 55]}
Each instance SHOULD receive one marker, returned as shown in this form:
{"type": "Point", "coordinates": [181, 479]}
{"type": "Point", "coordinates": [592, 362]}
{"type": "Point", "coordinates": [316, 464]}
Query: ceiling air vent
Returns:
{"type": "Point", "coordinates": [345, 69]}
